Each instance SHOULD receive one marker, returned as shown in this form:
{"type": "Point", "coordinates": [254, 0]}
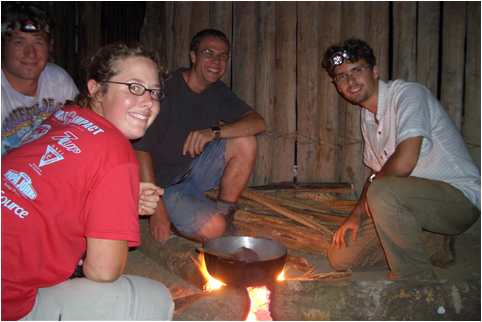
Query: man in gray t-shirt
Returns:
{"type": "Point", "coordinates": [422, 175]}
{"type": "Point", "coordinates": [203, 138]}
{"type": "Point", "coordinates": [32, 88]}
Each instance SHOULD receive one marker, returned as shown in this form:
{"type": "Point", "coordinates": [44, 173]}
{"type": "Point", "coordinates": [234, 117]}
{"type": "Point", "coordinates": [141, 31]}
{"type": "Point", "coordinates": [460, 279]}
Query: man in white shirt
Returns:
{"type": "Point", "coordinates": [32, 88]}
{"type": "Point", "coordinates": [423, 178]}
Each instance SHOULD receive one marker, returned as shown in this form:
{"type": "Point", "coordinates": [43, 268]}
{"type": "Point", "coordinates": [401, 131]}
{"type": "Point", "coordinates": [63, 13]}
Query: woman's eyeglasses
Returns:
{"type": "Point", "coordinates": [139, 90]}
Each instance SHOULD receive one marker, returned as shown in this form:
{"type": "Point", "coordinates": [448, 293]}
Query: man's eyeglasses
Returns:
{"type": "Point", "coordinates": [354, 72]}
{"type": "Point", "coordinates": [139, 90]}
{"type": "Point", "coordinates": [210, 55]}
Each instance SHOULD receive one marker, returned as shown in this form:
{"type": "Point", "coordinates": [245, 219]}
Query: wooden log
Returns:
{"type": "Point", "coordinates": [342, 188]}
{"type": "Point", "coordinates": [283, 127]}
{"type": "Point", "coordinates": [471, 125]}
{"type": "Point", "coordinates": [293, 236]}
{"type": "Point", "coordinates": [428, 43]}
{"type": "Point", "coordinates": [265, 83]}
{"type": "Point", "coordinates": [323, 211]}
{"type": "Point", "coordinates": [452, 85]}
{"type": "Point", "coordinates": [300, 218]}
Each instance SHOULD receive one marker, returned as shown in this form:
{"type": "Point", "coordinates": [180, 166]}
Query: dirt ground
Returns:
{"type": "Point", "coordinates": [468, 263]}
{"type": "Point", "coordinates": [466, 269]}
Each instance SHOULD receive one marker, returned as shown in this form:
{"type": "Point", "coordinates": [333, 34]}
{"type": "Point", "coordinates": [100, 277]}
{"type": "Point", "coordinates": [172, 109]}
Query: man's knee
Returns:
{"type": "Point", "coordinates": [382, 193]}
{"type": "Point", "coordinates": [213, 228]}
{"type": "Point", "coordinates": [339, 259]}
{"type": "Point", "coordinates": [242, 146]}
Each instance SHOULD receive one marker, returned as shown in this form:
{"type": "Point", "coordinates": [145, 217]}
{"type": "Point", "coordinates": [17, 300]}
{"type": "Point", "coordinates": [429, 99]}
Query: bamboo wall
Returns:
{"type": "Point", "coordinates": [277, 47]}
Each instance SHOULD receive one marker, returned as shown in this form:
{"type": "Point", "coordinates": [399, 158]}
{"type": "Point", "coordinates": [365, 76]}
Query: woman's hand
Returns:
{"type": "Point", "coordinates": [149, 196]}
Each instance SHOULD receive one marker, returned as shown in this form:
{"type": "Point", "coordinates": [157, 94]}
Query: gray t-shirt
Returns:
{"type": "Point", "coordinates": [21, 114]}
{"type": "Point", "coordinates": [183, 111]}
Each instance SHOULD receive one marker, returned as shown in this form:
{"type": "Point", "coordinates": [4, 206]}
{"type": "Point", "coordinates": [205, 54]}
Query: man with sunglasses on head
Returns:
{"type": "Point", "coordinates": [204, 138]}
{"type": "Point", "coordinates": [423, 178]}
{"type": "Point", "coordinates": [32, 88]}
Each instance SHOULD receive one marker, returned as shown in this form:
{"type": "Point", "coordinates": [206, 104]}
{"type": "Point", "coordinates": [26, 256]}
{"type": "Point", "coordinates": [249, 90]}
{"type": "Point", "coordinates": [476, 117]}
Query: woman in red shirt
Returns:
{"type": "Point", "coordinates": [72, 192]}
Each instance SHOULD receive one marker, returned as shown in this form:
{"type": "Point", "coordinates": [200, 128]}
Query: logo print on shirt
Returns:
{"type": "Point", "coordinates": [50, 156]}
{"type": "Point", "coordinates": [40, 131]}
{"type": "Point", "coordinates": [66, 141]}
{"type": "Point", "coordinates": [22, 183]}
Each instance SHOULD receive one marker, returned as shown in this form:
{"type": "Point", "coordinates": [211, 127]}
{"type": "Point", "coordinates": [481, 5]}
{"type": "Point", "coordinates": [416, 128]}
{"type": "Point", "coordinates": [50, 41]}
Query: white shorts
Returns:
{"type": "Point", "coordinates": [128, 298]}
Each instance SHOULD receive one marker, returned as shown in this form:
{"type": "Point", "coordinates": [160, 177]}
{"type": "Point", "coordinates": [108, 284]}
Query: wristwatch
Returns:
{"type": "Point", "coordinates": [371, 178]}
{"type": "Point", "coordinates": [216, 131]}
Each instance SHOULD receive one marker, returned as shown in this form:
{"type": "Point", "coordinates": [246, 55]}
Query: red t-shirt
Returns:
{"type": "Point", "coordinates": [77, 178]}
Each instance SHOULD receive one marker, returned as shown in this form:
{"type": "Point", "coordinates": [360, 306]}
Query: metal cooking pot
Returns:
{"type": "Point", "coordinates": [244, 261]}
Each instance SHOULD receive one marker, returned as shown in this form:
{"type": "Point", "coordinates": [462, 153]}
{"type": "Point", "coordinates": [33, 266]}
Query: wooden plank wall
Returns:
{"type": "Point", "coordinates": [275, 67]}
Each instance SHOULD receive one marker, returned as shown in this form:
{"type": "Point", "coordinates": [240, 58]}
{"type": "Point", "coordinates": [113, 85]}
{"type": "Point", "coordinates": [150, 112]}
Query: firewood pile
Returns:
{"type": "Point", "coordinates": [302, 217]}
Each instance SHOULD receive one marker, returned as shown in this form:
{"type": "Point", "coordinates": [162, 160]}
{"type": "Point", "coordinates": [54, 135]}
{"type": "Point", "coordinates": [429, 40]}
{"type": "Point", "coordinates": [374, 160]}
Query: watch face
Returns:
{"type": "Point", "coordinates": [216, 131]}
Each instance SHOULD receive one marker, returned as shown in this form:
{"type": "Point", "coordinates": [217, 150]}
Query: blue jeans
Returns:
{"type": "Point", "coordinates": [187, 206]}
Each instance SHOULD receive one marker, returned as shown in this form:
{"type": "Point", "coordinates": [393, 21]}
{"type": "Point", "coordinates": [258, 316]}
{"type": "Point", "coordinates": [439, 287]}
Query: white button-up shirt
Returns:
{"type": "Point", "coordinates": [408, 110]}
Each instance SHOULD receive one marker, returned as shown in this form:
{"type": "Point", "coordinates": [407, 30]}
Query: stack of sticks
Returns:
{"type": "Point", "coordinates": [302, 217]}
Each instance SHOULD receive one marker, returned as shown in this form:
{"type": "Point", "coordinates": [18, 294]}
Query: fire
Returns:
{"type": "Point", "coordinates": [281, 277]}
{"type": "Point", "coordinates": [212, 284]}
{"type": "Point", "coordinates": [259, 296]}
{"type": "Point", "coordinates": [259, 304]}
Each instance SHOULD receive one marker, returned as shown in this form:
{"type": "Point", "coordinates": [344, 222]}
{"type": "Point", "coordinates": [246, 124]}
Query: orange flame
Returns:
{"type": "Point", "coordinates": [212, 284]}
{"type": "Point", "coordinates": [259, 296]}
{"type": "Point", "coordinates": [281, 277]}
{"type": "Point", "coordinates": [259, 304]}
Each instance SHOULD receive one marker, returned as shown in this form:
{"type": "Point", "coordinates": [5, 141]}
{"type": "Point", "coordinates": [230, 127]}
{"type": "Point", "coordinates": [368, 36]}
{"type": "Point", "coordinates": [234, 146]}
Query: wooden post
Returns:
{"type": "Point", "coordinates": [65, 48]}
{"type": "Point", "coordinates": [404, 40]}
{"type": "Point", "coordinates": [153, 35]}
{"type": "Point", "coordinates": [471, 125]}
{"type": "Point", "coordinates": [308, 123]}
{"type": "Point", "coordinates": [354, 24]}
{"type": "Point", "coordinates": [89, 27]}
{"type": "Point", "coordinates": [428, 44]}
{"type": "Point", "coordinates": [330, 14]}
{"type": "Point", "coordinates": [169, 33]}
{"type": "Point", "coordinates": [244, 50]}
{"type": "Point", "coordinates": [378, 35]}
{"type": "Point", "coordinates": [182, 38]}
{"type": "Point", "coordinates": [200, 14]}
{"type": "Point", "coordinates": [453, 53]}
{"type": "Point", "coordinates": [221, 17]}
{"type": "Point", "coordinates": [265, 84]}
{"type": "Point", "coordinates": [244, 57]}
{"type": "Point", "coordinates": [283, 127]}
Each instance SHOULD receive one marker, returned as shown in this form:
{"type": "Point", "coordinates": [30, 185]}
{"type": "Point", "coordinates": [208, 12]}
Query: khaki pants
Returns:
{"type": "Point", "coordinates": [402, 208]}
{"type": "Point", "coordinates": [128, 298]}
